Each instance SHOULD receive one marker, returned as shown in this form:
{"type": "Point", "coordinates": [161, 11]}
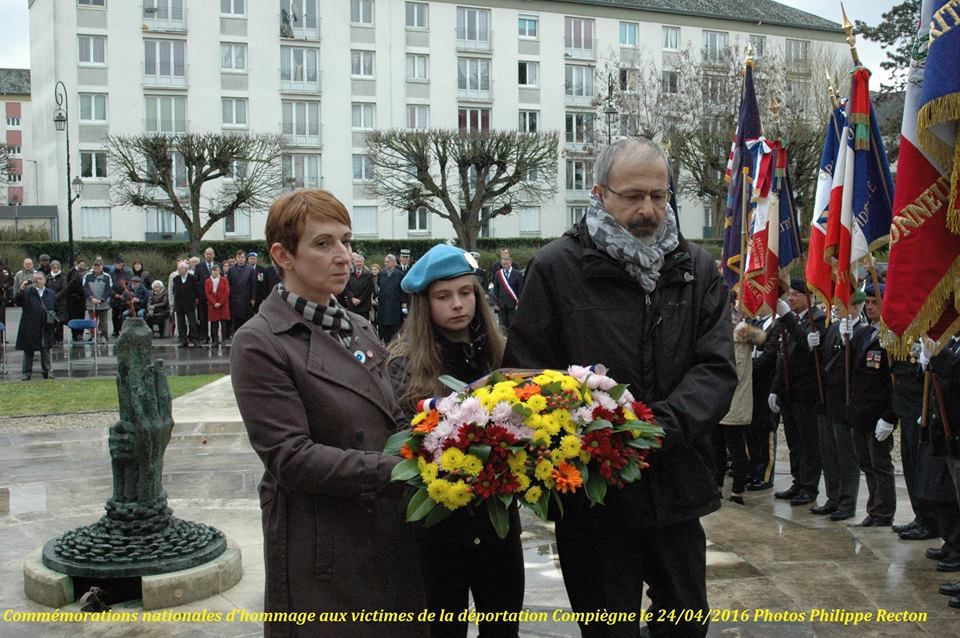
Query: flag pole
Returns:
{"type": "Point", "coordinates": [847, 26]}
{"type": "Point", "coordinates": [744, 204]}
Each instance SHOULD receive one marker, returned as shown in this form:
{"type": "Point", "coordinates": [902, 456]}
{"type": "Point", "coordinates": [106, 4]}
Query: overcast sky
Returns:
{"type": "Point", "coordinates": [15, 28]}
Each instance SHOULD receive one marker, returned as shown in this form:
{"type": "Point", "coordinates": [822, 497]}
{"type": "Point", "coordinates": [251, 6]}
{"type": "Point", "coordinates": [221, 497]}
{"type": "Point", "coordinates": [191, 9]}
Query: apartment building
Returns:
{"type": "Point", "coordinates": [20, 177]}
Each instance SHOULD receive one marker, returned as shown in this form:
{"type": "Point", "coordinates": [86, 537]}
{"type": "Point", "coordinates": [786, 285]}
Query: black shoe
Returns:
{"type": "Point", "coordinates": [871, 521]}
{"type": "Point", "coordinates": [49, 376]}
{"type": "Point", "coordinates": [803, 497]}
{"type": "Point", "coordinates": [899, 529]}
{"type": "Point", "coordinates": [841, 515]}
{"type": "Point", "coordinates": [949, 589]}
{"type": "Point", "coordinates": [826, 508]}
{"type": "Point", "coordinates": [954, 602]}
{"type": "Point", "coordinates": [935, 553]}
{"type": "Point", "coordinates": [182, 344]}
{"type": "Point", "coordinates": [756, 486]}
{"type": "Point", "coordinates": [948, 566]}
{"type": "Point", "coordinates": [736, 499]}
{"type": "Point", "coordinates": [787, 494]}
{"type": "Point", "coordinates": [918, 533]}
{"type": "Point", "coordinates": [25, 377]}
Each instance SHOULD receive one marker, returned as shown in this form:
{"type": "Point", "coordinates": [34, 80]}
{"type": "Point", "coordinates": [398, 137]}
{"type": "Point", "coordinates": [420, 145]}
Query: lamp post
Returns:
{"type": "Point", "coordinates": [610, 111]}
{"type": "Point", "coordinates": [75, 186]}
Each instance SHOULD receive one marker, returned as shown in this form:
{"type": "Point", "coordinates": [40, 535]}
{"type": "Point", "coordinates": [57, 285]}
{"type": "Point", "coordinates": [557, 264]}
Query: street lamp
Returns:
{"type": "Point", "coordinates": [75, 186]}
{"type": "Point", "coordinates": [610, 111]}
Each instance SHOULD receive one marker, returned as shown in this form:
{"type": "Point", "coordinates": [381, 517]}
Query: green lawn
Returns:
{"type": "Point", "coordinates": [78, 395]}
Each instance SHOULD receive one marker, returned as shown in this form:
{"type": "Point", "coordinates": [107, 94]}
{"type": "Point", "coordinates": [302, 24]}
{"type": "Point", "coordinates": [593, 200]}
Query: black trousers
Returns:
{"type": "Point", "coordinates": [506, 316]}
{"type": "Point", "coordinates": [202, 322]}
{"type": "Point", "coordinates": [877, 467]}
{"type": "Point", "coordinates": [606, 569]}
{"type": "Point", "coordinates": [219, 330]}
{"type": "Point", "coordinates": [803, 439]}
{"type": "Point", "coordinates": [762, 445]}
{"type": "Point", "coordinates": [909, 456]}
{"type": "Point", "coordinates": [187, 326]}
{"type": "Point", "coordinates": [732, 439]}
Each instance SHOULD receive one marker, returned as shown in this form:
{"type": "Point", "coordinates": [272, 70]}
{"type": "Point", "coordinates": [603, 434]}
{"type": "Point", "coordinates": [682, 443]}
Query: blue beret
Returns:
{"type": "Point", "coordinates": [869, 290]}
{"type": "Point", "coordinates": [440, 262]}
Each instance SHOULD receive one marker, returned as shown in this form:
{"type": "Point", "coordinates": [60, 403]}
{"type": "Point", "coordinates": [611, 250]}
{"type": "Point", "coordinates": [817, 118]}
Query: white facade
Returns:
{"type": "Point", "coordinates": [172, 69]}
{"type": "Point", "coordinates": [19, 186]}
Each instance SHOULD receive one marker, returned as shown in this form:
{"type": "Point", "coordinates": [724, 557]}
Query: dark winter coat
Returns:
{"type": "Point", "coordinates": [33, 321]}
{"type": "Point", "coordinates": [58, 284]}
{"type": "Point", "coordinates": [186, 294]}
{"type": "Point", "coordinates": [797, 379]}
{"type": "Point", "coordinates": [764, 367]}
{"type": "Point", "coordinates": [243, 290]}
{"type": "Point", "coordinates": [871, 390]}
{"type": "Point", "coordinates": [392, 298]}
{"type": "Point", "coordinates": [673, 347]}
{"type": "Point", "coordinates": [361, 287]}
{"type": "Point", "coordinates": [202, 272]}
{"type": "Point", "coordinates": [76, 302]}
{"type": "Point", "coordinates": [333, 525]}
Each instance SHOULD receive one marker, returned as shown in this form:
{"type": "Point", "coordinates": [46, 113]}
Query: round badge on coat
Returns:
{"type": "Point", "coordinates": [360, 356]}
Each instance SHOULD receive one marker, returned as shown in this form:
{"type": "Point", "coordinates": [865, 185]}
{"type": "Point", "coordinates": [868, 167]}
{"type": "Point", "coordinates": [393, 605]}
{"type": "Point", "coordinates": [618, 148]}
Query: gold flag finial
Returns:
{"type": "Point", "coordinates": [847, 26]}
{"type": "Point", "coordinates": [749, 55]}
{"type": "Point", "coordinates": [834, 97]}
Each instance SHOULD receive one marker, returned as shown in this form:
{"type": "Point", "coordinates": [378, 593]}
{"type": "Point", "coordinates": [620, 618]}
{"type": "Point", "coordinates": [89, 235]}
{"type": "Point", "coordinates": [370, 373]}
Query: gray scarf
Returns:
{"type": "Point", "coordinates": [643, 259]}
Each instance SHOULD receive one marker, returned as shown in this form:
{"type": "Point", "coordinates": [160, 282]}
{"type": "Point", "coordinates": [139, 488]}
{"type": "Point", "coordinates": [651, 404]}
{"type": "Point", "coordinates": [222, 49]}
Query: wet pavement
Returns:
{"type": "Point", "coordinates": [768, 562]}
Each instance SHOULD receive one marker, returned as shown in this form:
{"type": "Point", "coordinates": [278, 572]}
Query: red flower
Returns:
{"type": "Point", "coordinates": [469, 434]}
{"type": "Point", "coordinates": [487, 484]}
{"type": "Point", "coordinates": [499, 439]}
{"type": "Point", "coordinates": [643, 412]}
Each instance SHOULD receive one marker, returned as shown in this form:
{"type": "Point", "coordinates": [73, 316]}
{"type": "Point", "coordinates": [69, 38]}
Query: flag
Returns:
{"type": "Point", "coordinates": [939, 115]}
{"type": "Point", "coordinates": [924, 267]}
{"type": "Point", "coordinates": [818, 271]}
{"type": "Point", "coordinates": [754, 277]}
{"type": "Point", "coordinates": [748, 128]}
{"type": "Point", "coordinates": [783, 240]}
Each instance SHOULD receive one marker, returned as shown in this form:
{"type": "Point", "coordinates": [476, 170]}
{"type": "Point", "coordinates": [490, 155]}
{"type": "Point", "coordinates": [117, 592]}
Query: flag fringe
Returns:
{"type": "Point", "coordinates": [930, 313]}
{"type": "Point", "coordinates": [935, 112]}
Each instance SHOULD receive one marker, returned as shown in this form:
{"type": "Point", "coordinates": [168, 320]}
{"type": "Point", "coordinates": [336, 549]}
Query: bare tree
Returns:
{"type": "Point", "coordinates": [4, 170]}
{"type": "Point", "coordinates": [465, 178]}
{"type": "Point", "coordinates": [201, 178]}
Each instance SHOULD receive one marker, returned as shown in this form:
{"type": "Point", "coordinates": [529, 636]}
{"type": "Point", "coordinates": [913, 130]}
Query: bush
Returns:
{"type": "Point", "coordinates": [28, 233]}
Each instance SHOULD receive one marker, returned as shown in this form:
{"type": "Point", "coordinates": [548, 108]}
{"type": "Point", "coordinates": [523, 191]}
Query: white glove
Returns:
{"type": "Point", "coordinates": [813, 339]}
{"type": "Point", "coordinates": [926, 353]}
{"type": "Point", "coordinates": [782, 307]}
{"type": "Point", "coordinates": [774, 404]}
{"type": "Point", "coordinates": [884, 429]}
{"type": "Point", "coordinates": [846, 328]}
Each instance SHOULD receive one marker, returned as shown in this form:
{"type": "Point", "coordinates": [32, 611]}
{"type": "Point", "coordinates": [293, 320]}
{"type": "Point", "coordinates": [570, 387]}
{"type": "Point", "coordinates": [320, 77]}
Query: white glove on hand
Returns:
{"type": "Point", "coordinates": [926, 353]}
{"type": "Point", "coordinates": [782, 307]}
{"type": "Point", "coordinates": [884, 430]}
{"type": "Point", "coordinates": [846, 328]}
{"type": "Point", "coordinates": [813, 339]}
{"type": "Point", "coordinates": [774, 404]}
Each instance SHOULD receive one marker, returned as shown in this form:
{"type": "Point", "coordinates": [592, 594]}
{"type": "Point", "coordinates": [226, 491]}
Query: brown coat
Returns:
{"type": "Point", "coordinates": [745, 337]}
{"type": "Point", "coordinates": [334, 535]}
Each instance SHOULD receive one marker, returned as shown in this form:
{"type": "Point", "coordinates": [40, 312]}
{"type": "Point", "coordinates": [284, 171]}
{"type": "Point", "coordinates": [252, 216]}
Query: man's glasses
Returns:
{"type": "Point", "coordinates": [658, 198]}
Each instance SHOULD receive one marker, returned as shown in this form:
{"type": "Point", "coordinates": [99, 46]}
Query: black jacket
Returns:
{"type": "Point", "coordinates": [764, 367]}
{"type": "Point", "coordinates": [501, 296]}
{"type": "Point", "coordinates": [946, 370]}
{"type": "Point", "coordinates": [673, 347]}
{"type": "Point", "coordinates": [797, 380]}
{"type": "Point", "coordinates": [360, 287]}
{"type": "Point", "coordinates": [186, 294]}
{"type": "Point", "coordinates": [34, 333]}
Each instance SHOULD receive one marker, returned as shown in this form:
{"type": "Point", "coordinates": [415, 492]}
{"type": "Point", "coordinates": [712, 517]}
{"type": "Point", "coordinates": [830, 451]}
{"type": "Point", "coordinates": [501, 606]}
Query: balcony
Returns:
{"type": "Point", "coordinates": [165, 126]}
{"type": "Point", "coordinates": [474, 40]}
{"type": "Point", "coordinates": [156, 193]}
{"type": "Point", "coordinates": [579, 51]}
{"type": "Point", "coordinates": [165, 20]}
{"type": "Point", "coordinates": [165, 76]}
{"type": "Point", "coordinates": [579, 100]}
{"type": "Point", "coordinates": [578, 194]}
{"type": "Point", "coordinates": [296, 27]}
{"type": "Point", "coordinates": [293, 138]}
{"type": "Point", "coordinates": [297, 83]}
{"type": "Point", "coordinates": [581, 147]}
{"type": "Point", "coordinates": [482, 95]}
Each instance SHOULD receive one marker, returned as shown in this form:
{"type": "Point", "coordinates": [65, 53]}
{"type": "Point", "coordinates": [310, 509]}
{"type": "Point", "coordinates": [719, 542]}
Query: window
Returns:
{"type": "Point", "coordinates": [473, 77]}
{"type": "Point", "coordinates": [301, 122]}
{"type": "Point", "coordinates": [473, 28]}
{"type": "Point", "coordinates": [362, 116]}
{"type": "Point", "coordinates": [528, 121]}
{"type": "Point", "coordinates": [528, 74]}
{"type": "Point", "coordinates": [530, 220]}
{"type": "Point", "coordinates": [797, 55]}
{"type": "Point", "coordinates": [364, 220]}
{"type": "Point", "coordinates": [301, 18]}
{"type": "Point", "coordinates": [670, 82]}
{"type": "Point", "coordinates": [93, 49]}
{"type": "Point", "coordinates": [233, 8]}
{"type": "Point", "coordinates": [301, 170]}
{"type": "Point", "coordinates": [473, 120]}
{"type": "Point", "coordinates": [579, 128]}
{"type": "Point", "coordinates": [361, 12]}
{"type": "Point", "coordinates": [13, 121]}
{"type": "Point", "coordinates": [579, 175]}
{"type": "Point", "coordinates": [417, 15]}
{"type": "Point", "coordinates": [237, 223]}
{"type": "Point", "coordinates": [362, 168]}
{"type": "Point", "coordinates": [298, 69]}
{"type": "Point", "coordinates": [527, 26]}
{"type": "Point", "coordinates": [417, 67]}
{"type": "Point", "coordinates": [164, 222]}
{"type": "Point", "coordinates": [178, 171]}
{"type": "Point", "coordinates": [233, 57]}
{"type": "Point", "coordinates": [630, 79]}
{"type": "Point", "coordinates": [14, 178]}
{"type": "Point", "coordinates": [234, 111]}
{"type": "Point", "coordinates": [671, 38]}
{"type": "Point", "coordinates": [418, 220]}
{"type": "Point", "coordinates": [578, 81]}
{"type": "Point", "coordinates": [713, 89]}
{"type": "Point", "coordinates": [90, 3]}
{"type": "Point", "coordinates": [93, 163]}
{"type": "Point", "coordinates": [361, 64]}
{"type": "Point", "coordinates": [14, 149]}
{"type": "Point", "coordinates": [95, 222]}
{"type": "Point", "coordinates": [628, 34]}
{"type": "Point", "coordinates": [165, 62]}
{"type": "Point", "coordinates": [714, 45]}
{"type": "Point", "coordinates": [164, 14]}
{"type": "Point", "coordinates": [759, 44]}
{"type": "Point", "coordinates": [93, 107]}
{"type": "Point", "coordinates": [166, 114]}
{"type": "Point", "coordinates": [578, 37]}
{"type": "Point", "coordinates": [418, 116]}
{"type": "Point", "coordinates": [236, 170]}
{"type": "Point", "coordinates": [575, 214]}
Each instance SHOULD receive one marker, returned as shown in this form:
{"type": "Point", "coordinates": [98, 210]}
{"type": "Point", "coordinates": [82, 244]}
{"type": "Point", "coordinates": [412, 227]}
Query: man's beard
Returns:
{"type": "Point", "coordinates": [644, 229]}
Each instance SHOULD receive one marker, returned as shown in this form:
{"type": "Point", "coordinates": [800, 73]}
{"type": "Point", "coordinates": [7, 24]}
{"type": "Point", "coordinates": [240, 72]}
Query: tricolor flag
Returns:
{"type": "Point", "coordinates": [819, 273]}
{"type": "Point", "coordinates": [924, 268]}
{"type": "Point", "coordinates": [748, 128]}
{"type": "Point", "coordinates": [783, 247]}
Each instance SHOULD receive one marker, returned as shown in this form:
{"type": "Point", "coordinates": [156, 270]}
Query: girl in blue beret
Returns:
{"type": "Point", "coordinates": [451, 330]}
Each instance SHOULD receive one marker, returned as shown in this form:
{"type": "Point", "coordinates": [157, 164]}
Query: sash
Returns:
{"type": "Point", "coordinates": [506, 284]}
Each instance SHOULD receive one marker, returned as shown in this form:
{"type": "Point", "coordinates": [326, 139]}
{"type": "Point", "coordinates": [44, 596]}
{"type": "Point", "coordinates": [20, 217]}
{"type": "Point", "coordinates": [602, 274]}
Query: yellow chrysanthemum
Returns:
{"type": "Point", "coordinates": [471, 465]}
{"type": "Point", "coordinates": [550, 423]}
{"type": "Point", "coordinates": [517, 461]}
{"type": "Point", "coordinates": [451, 459]}
{"type": "Point", "coordinates": [523, 482]}
{"type": "Point", "coordinates": [458, 496]}
{"type": "Point", "coordinates": [534, 421]}
{"type": "Point", "coordinates": [562, 417]}
{"type": "Point", "coordinates": [541, 436]}
{"type": "Point", "coordinates": [537, 403]}
{"type": "Point", "coordinates": [543, 470]}
{"type": "Point", "coordinates": [533, 494]}
{"type": "Point", "coordinates": [569, 446]}
{"type": "Point", "coordinates": [584, 456]}
{"type": "Point", "coordinates": [429, 473]}
{"type": "Point", "coordinates": [438, 490]}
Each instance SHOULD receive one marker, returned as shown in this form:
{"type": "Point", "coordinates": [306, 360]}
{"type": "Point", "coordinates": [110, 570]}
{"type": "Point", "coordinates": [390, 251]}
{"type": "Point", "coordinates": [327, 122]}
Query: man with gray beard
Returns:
{"type": "Point", "coordinates": [624, 289]}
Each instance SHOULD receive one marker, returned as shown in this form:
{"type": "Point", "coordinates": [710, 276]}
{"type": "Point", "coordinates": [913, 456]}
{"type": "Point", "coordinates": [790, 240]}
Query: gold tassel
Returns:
{"type": "Point", "coordinates": [930, 313]}
{"type": "Point", "coordinates": [943, 110]}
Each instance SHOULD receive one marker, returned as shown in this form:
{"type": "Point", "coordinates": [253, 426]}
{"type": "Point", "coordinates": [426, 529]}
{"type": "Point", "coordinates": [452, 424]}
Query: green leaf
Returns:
{"type": "Point", "coordinates": [481, 451]}
{"type": "Point", "coordinates": [596, 488]}
{"type": "Point", "coordinates": [420, 505]}
{"type": "Point", "coordinates": [452, 382]}
{"type": "Point", "coordinates": [506, 499]}
{"type": "Point", "coordinates": [556, 499]}
{"type": "Point", "coordinates": [617, 391]}
{"type": "Point", "coordinates": [498, 517]}
{"type": "Point", "coordinates": [584, 471]}
{"type": "Point", "coordinates": [554, 387]}
{"type": "Point", "coordinates": [438, 514]}
{"type": "Point", "coordinates": [522, 410]}
{"type": "Point", "coordinates": [404, 470]}
{"type": "Point", "coordinates": [630, 472]}
{"type": "Point", "coordinates": [544, 502]}
{"type": "Point", "coordinates": [395, 442]}
{"type": "Point", "coordinates": [496, 377]}
{"type": "Point", "coordinates": [599, 424]}
{"type": "Point", "coordinates": [643, 444]}
{"type": "Point", "coordinates": [535, 508]}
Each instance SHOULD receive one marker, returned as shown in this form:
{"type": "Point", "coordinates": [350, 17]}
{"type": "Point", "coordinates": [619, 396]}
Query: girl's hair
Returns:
{"type": "Point", "coordinates": [418, 345]}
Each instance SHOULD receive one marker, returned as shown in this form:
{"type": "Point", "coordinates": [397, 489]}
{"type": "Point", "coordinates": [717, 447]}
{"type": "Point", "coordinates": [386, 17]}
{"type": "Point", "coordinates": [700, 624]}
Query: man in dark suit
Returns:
{"type": "Point", "coordinates": [393, 301]}
{"type": "Point", "coordinates": [186, 297]}
{"type": "Point", "coordinates": [243, 290]}
{"type": "Point", "coordinates": [405, 263]}
{"type": "Point", "coordinates": [507, 286]}
{"type": "Point", "coordinates": [202, 271]}
{"type": "Point", "coordinates": [35, 333]}
{"type": "Point", "coordinates": [357, 295]}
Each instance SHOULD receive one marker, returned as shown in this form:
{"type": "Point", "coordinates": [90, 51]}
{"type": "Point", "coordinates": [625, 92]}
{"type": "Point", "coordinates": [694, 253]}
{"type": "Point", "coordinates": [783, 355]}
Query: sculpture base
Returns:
{"type": "Point", "coordinates": [102, 550]}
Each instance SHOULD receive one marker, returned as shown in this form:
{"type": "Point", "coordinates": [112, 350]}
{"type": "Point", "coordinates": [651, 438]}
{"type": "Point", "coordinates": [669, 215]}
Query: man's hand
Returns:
{"type": "Point", "coordinates": [884, 429]}
{"type": "Point", "coordinates": [774, 402]}
{"type": "Point", "coordinates": [782, 308]}
{"type": "Point", "coordinates": [354, 301]}
{"type": "Point", "coordinates": [813, 339]}
{"type": "Point", "coordinates": [926, 352]}
{"type": "Point", "coordinates": [846, 328]}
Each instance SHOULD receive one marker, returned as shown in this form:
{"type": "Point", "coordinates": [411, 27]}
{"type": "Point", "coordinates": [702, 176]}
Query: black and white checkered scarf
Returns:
{"type": "Point", "coordinates": [642, 259]}
{"type": "Point", "coordinates": [333, 318]}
